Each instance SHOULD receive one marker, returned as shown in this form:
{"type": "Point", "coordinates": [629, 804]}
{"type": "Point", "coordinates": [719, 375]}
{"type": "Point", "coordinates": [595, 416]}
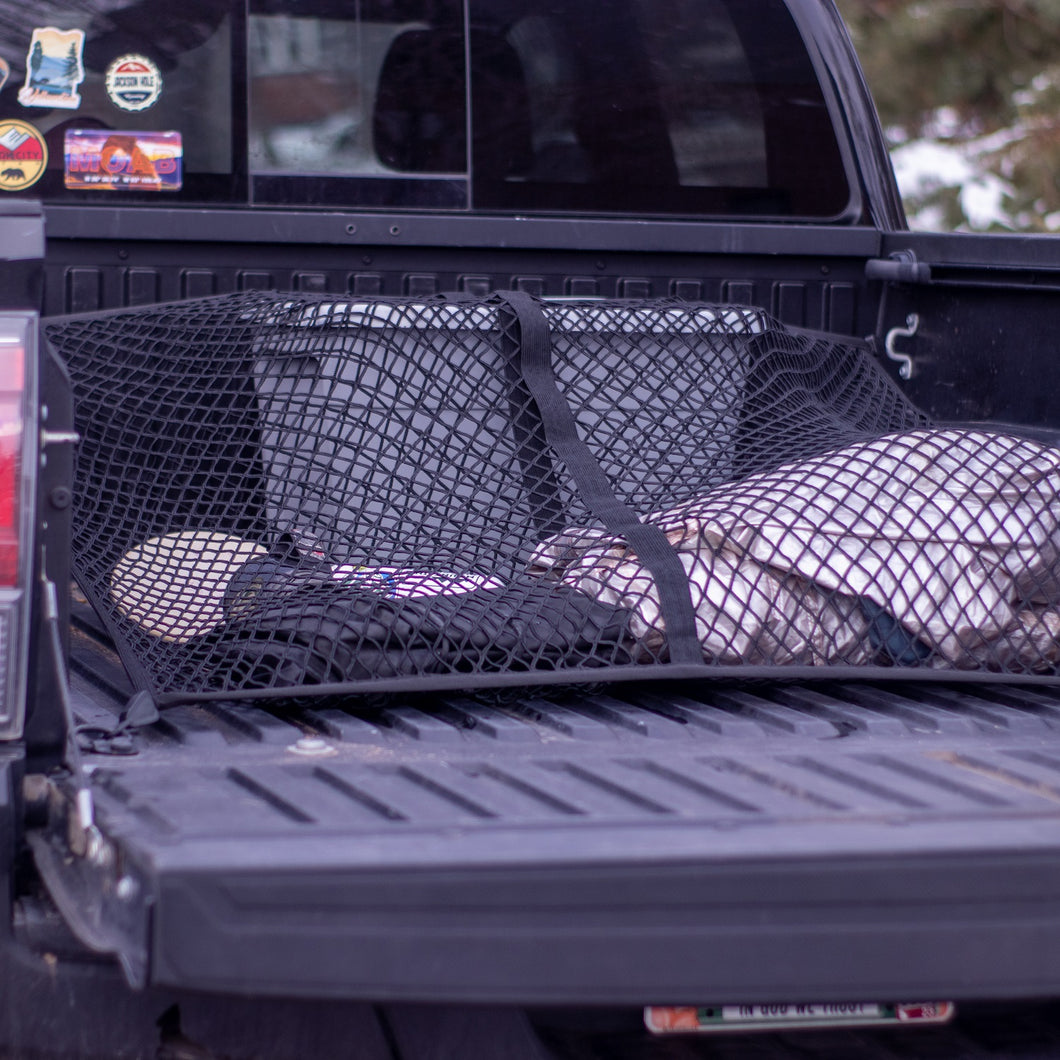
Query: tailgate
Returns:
{"type": "Point", "coordinates": [678, 843]}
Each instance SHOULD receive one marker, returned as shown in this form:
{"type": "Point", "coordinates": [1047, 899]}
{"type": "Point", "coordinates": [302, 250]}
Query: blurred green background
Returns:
{"type": "Point", "coordinates": [969, 96]}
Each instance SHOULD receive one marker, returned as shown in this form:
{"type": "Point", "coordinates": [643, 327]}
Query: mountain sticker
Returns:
{"type": "Point", "coordinates": [54, 68]}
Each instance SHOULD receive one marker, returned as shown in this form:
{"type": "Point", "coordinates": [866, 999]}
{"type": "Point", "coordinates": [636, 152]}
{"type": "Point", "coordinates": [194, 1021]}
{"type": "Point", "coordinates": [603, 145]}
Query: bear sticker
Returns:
{"type": "Point", "coordinates": [23, 155]}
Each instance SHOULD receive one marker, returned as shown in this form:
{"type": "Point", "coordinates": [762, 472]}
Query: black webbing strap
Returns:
{"type": "Point", "coordinates": [648, 542]}
{"type": "Point", "coordinates": [539, 477]}
{"type": "Point", "coordinates": [531, 451]}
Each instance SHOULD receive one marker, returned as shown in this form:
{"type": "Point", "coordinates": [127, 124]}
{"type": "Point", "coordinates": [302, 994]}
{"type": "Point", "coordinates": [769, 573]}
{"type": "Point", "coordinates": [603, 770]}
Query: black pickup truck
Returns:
{"type": "Point", "coordinates": [403, 327]}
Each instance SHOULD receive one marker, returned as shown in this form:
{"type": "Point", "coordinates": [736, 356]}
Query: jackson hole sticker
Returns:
{"type": "Point", "coordinates": [114, 161]}
{"type": "Point", "coordinates": [54, 68]}
{"type": "Point", "coordinates": [133, 82]}
{"type": "Point", "coordinates": [23, 155]}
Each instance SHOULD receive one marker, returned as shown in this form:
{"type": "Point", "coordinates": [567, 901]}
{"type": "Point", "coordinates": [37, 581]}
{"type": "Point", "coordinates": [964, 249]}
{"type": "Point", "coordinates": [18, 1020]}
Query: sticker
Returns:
{"type": "Point", "coordinates": [54, 69]}
{"type": "Point", "coordinates": [133, 82]}
{"type": "Point", "coordinates": [136, 161]}
{"type": "Point", "coordinates": [23, 155]}
{"type": "Point", "coordinates": [685, 1019]}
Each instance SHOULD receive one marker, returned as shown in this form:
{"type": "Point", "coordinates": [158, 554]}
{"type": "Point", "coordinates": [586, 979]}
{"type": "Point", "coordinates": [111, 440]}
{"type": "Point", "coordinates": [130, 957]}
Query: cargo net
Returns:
{"type": "Point", "coordinates": [303, 495]}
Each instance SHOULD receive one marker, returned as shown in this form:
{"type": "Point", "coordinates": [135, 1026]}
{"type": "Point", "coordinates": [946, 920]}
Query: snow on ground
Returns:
{"type": "Point", "coordinates": [927, 166]}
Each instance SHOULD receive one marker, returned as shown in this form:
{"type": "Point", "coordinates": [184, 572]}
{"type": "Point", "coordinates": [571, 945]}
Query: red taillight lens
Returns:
{"type": "Point", "coordinates": [12, 382]}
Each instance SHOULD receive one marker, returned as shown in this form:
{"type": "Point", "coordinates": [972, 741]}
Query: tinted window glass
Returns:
{"type": "Point", "coordinates": [690, 108]}
{"type": "Point", "coordinates": [362, 106]}
{"type": "Point", "coordinates": [129, 98]}
{"type": "Point", "coordinates": [693, 107]}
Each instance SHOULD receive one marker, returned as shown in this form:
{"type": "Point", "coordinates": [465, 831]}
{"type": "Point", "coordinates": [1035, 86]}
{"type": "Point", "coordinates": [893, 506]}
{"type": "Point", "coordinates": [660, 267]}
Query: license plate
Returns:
{"type": "Point", "coordinates": [683, 1019]}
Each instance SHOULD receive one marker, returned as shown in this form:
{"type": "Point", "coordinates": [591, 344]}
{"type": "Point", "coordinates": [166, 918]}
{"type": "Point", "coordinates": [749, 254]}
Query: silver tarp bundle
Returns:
{"type": "Point", "coordinates": [936, 547]}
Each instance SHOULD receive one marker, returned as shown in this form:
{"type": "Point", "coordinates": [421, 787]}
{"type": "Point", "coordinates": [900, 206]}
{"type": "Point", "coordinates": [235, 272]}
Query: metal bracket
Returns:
{"type": "Point", "coordinates": [48, 437]}
{"type": "Point", "coordinates": [904, 360]}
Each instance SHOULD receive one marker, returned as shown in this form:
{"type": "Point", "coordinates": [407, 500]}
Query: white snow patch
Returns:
{"type": "Point", "coordinates": [923, 167]}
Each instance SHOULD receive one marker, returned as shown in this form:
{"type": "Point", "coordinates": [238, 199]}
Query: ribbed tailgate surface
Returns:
{"type": "Point", "coordinates": [723, 759]}
{"type": "Point", "coordinates": [672, 844]}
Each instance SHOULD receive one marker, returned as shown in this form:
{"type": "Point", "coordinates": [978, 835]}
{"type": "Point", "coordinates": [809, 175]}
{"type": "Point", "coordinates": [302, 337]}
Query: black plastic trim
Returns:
{"type": "Point", "coordinates": [357, 230]}
{"type": "Point", "coordinates": [898, 922]}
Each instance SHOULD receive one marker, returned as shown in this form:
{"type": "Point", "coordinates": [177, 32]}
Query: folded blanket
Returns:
{"type": "Point", "coordinates": [940, 545]}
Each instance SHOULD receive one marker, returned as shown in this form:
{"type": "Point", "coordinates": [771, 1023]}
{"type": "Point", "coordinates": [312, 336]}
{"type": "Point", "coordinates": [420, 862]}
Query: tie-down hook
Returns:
{"type": "Point", "coordinates": [905, 362]}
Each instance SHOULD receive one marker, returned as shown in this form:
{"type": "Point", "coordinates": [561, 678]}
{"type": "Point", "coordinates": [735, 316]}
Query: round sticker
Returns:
{"type": "Point", "coordinates": [133, 82]}
{"type": "Point", "coordinates": [23, 155]}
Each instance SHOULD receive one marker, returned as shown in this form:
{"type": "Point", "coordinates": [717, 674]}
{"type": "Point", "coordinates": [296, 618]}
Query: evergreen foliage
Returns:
{"type": "Point", "coordinates": [969, 95]}
{"type": "Point", "coordinates": [72, 66]}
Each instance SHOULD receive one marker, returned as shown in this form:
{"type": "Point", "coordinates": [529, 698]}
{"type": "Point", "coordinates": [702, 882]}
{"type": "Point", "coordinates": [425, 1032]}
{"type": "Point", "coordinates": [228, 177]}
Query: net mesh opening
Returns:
{"type": "Point", "coordinates": [287, 494]}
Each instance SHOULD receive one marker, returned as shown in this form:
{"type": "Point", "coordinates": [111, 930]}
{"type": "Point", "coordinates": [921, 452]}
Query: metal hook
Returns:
{"type": "Point", "coordinates": [905, 362]}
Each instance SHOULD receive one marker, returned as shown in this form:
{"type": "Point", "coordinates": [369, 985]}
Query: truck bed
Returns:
{"type": "Point", "coordinates": [678, 843]}
{"type": "Point", "coordinates": [668, 843]}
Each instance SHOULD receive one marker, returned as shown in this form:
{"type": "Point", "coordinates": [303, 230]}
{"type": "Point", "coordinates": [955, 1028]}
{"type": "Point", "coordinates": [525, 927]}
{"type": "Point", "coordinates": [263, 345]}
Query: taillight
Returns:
{"type": "Point", "coordinates": [12, 427]}
{"type": "Point", "coordinates": [19, 463]}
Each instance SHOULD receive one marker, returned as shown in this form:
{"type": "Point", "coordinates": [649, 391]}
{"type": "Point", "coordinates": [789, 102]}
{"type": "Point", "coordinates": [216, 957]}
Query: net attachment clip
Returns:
{"type": "Point", "coordinates": [904, 360]}
{"type": "Point", "coordinates": [900, 270]}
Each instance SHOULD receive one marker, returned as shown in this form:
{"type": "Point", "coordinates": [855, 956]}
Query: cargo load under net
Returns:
{"type": "Point", "coordinates": [295, 494]}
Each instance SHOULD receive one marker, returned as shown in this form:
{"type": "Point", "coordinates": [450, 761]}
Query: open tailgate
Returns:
{"type": "Point", "coordinates": [665, 844]}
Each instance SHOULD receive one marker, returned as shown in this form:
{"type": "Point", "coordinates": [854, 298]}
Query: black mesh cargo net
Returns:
{"type": "Point", "coordinates": [292, 495]}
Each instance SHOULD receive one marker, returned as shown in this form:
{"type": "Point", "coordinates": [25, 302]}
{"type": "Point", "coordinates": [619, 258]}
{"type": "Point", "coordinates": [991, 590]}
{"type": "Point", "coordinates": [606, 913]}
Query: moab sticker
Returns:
{"type": "Point", "coordinates": [54, 68]}
{"type": "Point", "coordinates": [135, 161]}
{"type": "Point", "coordinates": [133, 82]}
{"type": "Point", "coordinates": [23, 155]}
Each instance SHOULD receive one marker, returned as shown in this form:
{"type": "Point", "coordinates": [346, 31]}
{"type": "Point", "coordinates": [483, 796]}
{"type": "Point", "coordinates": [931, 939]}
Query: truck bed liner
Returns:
{"type": "Point", "coordinates": [613, 847]}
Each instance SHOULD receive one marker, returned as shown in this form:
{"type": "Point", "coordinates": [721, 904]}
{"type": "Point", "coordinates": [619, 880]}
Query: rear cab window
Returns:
{"type": "Point", "coordinates": [669, 108]}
